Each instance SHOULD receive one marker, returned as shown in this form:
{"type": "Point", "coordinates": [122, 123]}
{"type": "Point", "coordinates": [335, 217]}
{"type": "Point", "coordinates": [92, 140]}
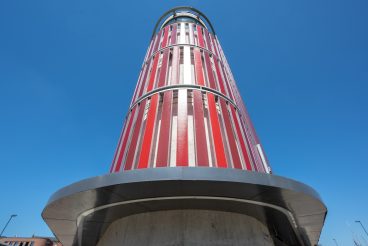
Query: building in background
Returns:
{"type": "Point", "coordinates": [29, 241]}
{"type": "Point", "coordinates": [189, 168]}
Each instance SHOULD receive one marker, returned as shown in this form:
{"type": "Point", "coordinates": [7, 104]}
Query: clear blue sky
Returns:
{"type": "Point", "coordinates": [68, 70]}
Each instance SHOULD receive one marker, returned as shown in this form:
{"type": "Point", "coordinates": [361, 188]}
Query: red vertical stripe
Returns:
{"type": "Point", "coordinates": [148, 132]}
{"type": "Point", "coordinates": [173, 33]}
{"type": "Point", "coordinates": [208, 40]}
{"type": "Point", "coordinates": [135, 140]}
{"type": "Point", "coordinates": [139, 83]}
{"type": "Point", "coordinates": [125, 140]}
{"type": "Point", "coordinates": [117, 148]}
{"type": "Point", "coordinates": [163, 70]}
{"type": "Point", "coordinates": [200, 130]}
{"type": "Point", "coordinates": [216, 132]}
{"type": "Point", "coordinates": [198, 67]}
{"type": "Point", "coordinates": [230, 136]}
{"type": "Point", "coordinates": [209, 71]}
{"type": "Point", "coordinates": [153, 73]}
{"type": "Point", "coordinates": [159, 34]}
{"type": "Point", "coordinates": [250, 133]}
{"type": "Point", "coordinates": [229, 89]}
{"type": "Point", "coordinates": [148, 50]}
{"type": "Point", "coordinates": [151, 47]}
{"type": "Point", "coordinates": [249, 121]}
{"type": "Point", "coordinates": [144, 79]}
{"type": "Point", "coordinates": [200, 36]}
{"type": "Point", "coordinates": [166, 35]}
{"type": "Point", "coordinates": [241, 140]}
{"type": "Point", "coordinates": [163, 149]}
{"type": "Point", "coordinates": [249, 144]}
{"type": "Point", "coordinates": [214, 45]}
{"type": "Point", "coordinates": [219, 77]}
{"type": "Point", "coordinates": [182, 133]}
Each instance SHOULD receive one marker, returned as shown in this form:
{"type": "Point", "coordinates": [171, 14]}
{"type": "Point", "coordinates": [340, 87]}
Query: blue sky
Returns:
{"type": "Point", "coordinates": [68, 70]}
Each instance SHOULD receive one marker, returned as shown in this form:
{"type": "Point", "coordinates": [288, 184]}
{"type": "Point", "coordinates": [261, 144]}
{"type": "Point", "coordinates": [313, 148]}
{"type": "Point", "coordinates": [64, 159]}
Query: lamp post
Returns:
{"type": "Point", "coordinates": [335, 241]}
{"type": "Point", "coordinates": [358, 221]}
{"type": "Point", "coordinates": [7, 223]}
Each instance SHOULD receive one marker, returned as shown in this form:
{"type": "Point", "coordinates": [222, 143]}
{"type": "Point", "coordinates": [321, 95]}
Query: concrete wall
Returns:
{"type": "Point", "coordinates": [187, 227]}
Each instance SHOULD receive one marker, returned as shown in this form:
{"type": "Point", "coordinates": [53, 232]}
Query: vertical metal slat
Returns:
{"type": "Point", "coordinates": [216, 132]}
{"type": "Point", "coordinates": [182, 132]}
{"type": "Point", "coordinates": [148, 132]}
{"type": "Point", "coordinates": [200, 134]}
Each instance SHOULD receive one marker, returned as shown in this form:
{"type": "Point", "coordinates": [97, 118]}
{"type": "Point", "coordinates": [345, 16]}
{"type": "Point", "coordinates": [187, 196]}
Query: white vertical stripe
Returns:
{"type": "Point", "coordinates": [191, 151]}
{"type": "Point", "coordinates": [158, 127]}
{"type": "Point", "coordinates": [192, 71]}
{"type": "Point", "coordinates": [216, 47]}
{"type": "Point", "coordinates": [238, 139]}
{"type": "Point", "coordinates": [266, 167]}
{"type": "Point", "coordinates": [191, 40]}
{"type": "Point", "coordinates": [224, 135]}
{"type": "Point", "coordinates": [187, 66]}
{"type": "Point", "coordinates": [130, 135]}
{"type": "Point", "coordinates": [173, 141]}
{"type": "Point", "coordinates": [182, 33]}
{"type": "Point", "coordinates": [169, 76]}
{"type": "Point", "coordinates": [208, 143]}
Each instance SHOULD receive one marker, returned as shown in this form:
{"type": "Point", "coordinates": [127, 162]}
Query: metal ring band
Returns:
{"type": "Point", "coordinates": [188, 86]}
{"type": "Point", "coordinates": [173, 10]}
{"type": "Point", "coordinates": [190, 45]}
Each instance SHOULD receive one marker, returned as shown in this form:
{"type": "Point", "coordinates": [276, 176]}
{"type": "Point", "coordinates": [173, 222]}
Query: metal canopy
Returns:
{"type": "Point", "coordinates": [80, 213]}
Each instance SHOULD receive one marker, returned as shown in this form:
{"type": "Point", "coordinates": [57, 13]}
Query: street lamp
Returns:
{"type": "Point", "coordinates": [335, 241]}
{"type": "Point", "coordinates": [7, 223]}
{"type": "Point", "coordinates": [358, 221]}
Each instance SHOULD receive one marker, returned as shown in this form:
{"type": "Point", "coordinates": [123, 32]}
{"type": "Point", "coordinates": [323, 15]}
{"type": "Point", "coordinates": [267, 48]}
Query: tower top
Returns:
{"type": "Point", "coordinates": [183, 13]}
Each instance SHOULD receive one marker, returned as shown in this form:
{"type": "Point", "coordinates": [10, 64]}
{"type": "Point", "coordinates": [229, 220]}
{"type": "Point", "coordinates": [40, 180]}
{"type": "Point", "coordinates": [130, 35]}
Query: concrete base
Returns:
{"type": "Point", "coordinates": [81, 214]}
{"type": "Point", "coordinates": [186, 227]}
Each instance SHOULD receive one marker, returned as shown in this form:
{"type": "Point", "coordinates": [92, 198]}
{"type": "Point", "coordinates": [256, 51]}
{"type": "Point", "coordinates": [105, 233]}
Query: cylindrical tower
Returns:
{"type": "Point", "coordinates": [189, 168]}
{"type": "Point", "coordinates": [186, 109]}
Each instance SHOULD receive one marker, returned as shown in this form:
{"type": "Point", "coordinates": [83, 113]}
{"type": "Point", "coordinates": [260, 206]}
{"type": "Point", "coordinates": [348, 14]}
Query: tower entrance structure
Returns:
{"type": "Point", "coordinates": [189, 168]}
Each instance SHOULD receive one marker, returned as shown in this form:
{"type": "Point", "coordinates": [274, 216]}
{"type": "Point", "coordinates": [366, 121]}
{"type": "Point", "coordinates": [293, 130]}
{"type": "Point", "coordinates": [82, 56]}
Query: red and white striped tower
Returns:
{"type": "Point", "coordinates": [186, 109]}
{"type": "Point", "coordinates": [189, 168]}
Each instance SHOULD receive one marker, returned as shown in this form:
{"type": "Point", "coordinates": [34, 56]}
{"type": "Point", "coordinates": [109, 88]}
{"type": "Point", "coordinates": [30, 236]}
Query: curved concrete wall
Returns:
{"type": "Point", "coordinates": [187, 227]}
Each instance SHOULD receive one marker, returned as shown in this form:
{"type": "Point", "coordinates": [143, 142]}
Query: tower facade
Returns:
{"type": "Point", "coordinates": [189, 168]}
{"type": "Point", "coordinates": [186, 109]}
